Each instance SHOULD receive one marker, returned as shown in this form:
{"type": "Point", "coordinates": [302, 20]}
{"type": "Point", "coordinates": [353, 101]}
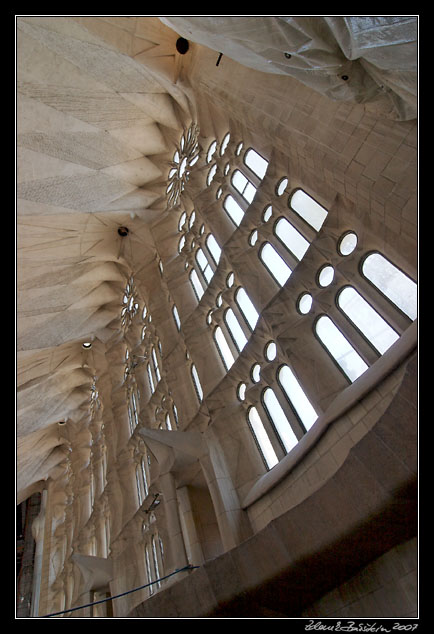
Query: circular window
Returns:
{"type": "Point", "coordinates": [239, 148]}
{"type": "Point", "coordinates": [267, 213]}
{"type": "Point", "coordinates": [270, 351]}
{"type": "Point", "coordinates": [304, 303]}
{"type": "Point", "coordinates": [224, 144]}
{"type": "Point", "coordinates": [253, 237]}
{"type": "Point", "coordinates": [281, 186]}
{"type": "Point", "coordinates": [241, 391]}
{"type": "Point", "coordinates": [347, 243]}
{"type": "Point", "coordinates": [255, 373]}
{"type": "Point", "coordinates": [230, 280]}
{"type": "Point", "coordinates": [326, 275]}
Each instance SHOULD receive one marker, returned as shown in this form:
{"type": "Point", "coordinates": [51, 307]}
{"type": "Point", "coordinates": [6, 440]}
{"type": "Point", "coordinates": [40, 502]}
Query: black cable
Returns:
{"type": "Point", "coordinates": [87, 605]}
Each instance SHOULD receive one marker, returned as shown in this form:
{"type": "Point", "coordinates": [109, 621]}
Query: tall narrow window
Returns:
{"type": "Point", "coordinates": [155, 362]}
{"type": "Point", "coordinates": [296, 396]}
{"type": "Point", "coordinates": [150, 379]}
{"type": "Point", "coordinates": [243, 186]}
{"type": "Point", "coordinates": [197, 286]}
{"type": "Point", "coordinates": [340, 348]}
{"type": "Point", "coordinates": [275, 263]}
{"type": "Point", "coordinates": [223, 347]}
{"type": "Point", "coordinates": [235, 329]}
{"type": "Point", "coordinates": [256, 163]}
{"type": "Point", "coordinates": [262, 439]}
{"type": "Point", "coordinates": [148, 569]}
{"type": "Point", "coordinates": [392, 282]}
{"type": "Point", "coordinates": [233, 209]}
{"type": "Point", "coordinates": [176, 317]}
{"type": "Point", "coordinates": [306, 207]}
{"type": "Point", "coordinates": [244, 303]}
{"type": "Point", "coordinates": [144, 476]}
{"type": "Point", "coordinates": [213, 248]}
{"type": "Point", "coordinates": [279, 420]}
{"type": "Point", "coordinates": [155, 558]}
{"type": "Point", "coordinates": [139, 486]}
{"type": "Point", "coordinates": [376, 330]}
{"type": "Point", "coordinates": [204, 265]}
{"type": "Point", "coordinates": [196, 382]}
{"type": "Point", "coordinates": [291, 238]}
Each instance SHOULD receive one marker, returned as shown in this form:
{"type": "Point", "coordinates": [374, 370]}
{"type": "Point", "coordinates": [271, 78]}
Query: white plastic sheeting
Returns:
{"type": "Point", "coordinates": [349, 58]}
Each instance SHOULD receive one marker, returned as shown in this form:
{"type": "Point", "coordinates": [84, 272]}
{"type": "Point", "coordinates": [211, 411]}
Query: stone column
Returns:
{"type": "Point", "coordinates": [174, 529]}
{"type": "Point", "coordinates": [192, 542]}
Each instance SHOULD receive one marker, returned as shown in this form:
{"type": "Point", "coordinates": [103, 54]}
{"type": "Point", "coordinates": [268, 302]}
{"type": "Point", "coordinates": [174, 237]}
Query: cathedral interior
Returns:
{"type": "Point", "coordinates": [216, 317]}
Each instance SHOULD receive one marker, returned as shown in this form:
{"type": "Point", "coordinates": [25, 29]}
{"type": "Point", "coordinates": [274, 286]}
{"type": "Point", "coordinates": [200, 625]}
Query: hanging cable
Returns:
{"type": "Point", "coordinates": [87, 605]}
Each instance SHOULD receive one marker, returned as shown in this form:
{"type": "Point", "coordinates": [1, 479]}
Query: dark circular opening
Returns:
{"type": "Point", "coordinates": [288, 55]}
{"type": "Point", "coordinates": [182, 45]}
{"type": "Point", "coordinates": [123, 231]}
{"type": "Point", "coordinates": [345, 77]}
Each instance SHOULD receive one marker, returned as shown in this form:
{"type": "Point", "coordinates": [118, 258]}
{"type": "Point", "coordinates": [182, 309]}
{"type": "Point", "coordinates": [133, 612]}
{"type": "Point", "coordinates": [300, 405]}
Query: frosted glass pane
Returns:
{"type": "Point", "coordinates": [262, 439]}
{"type": "Point", "coordinates": [291, 238]}
{"type": "Point", "coordinates": [201, 259]}
{"type": "Point", "coordinates": [176, 317]}
{"type": "Point", "coordinates": [239, 181]}
{"type": "Point", "coordinates": [397, 286]}
{"type": "Point", "coordinates": [223, 347]}
{"type": "Point", "coordinates": [308, 209]}
{"type": "Point", "coordinates": [196, 284]}
{"type": "Point", "coordinates": [233, 209]}
{"type": "Point", "coordinates": [340, 348]}
{"type": "Point", "coordinates": [249, 192]}
{"type": "Point", "coordinates": [245, 305]}
{"type": "Point", "coordinates": [279, 419]}
{"type": "Point", "coordinates": [274, 263]}
{"type": "Point", "coordinates": [367, 320]}
{"type": "Point", "coordinates": [197, 382]}
{"type": "Point", "coordinates": [235, 329]}
{"type": "Point", "coordinates": [214, 248]}
{"type": "Point", "coordinates": [297, 397]}
{"type": "Point", "coordinates": [256, 163]}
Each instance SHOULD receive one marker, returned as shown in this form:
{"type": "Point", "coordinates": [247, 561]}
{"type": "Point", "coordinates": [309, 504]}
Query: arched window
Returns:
{"type": "Point", "coordinates": [235, 329]}
{"type": "Point", "coordinates": [262, 440]}
{"type": "Point", "coordinates": [340, 349]}
{"type": "Point", "coordinates": [233, 209]}
{"type": "Point", "coordinates": [291, 238]}
{"type": "Point", "coordinates": [391, 282]}
{"type": "Point", "coordinates": [278, 419]}
{"type": "Point", "coordinates": [175, 414]}
{"type": "Point", "coordinates": [256, 163]}
{"type": "Point", "coordinates": [176, 317]}
{"type": "Point", "coordinates": [155, 560]}
{"type": "Point", "coordinates": [296, 396]}
{"type": "Point", "coordinates": [213, 248]}
{"type": "Point", "coordinates": [155, 362]}
{"type": "Point", "coordinates": [150, 379]}
{"type": "Point", "coordinates": [275, 263]}
{"type": "Point", "coordinates": [308, 209]}
{"type": "Point", "coordinates": [246, 307]}
{"type": "Point", "coordinates": [204, 265]}
{"type": "Point", "coordinates": [243, 186]}
{"type": "Point", "coordinates": [374, 328]}
{"type": "Point", "coordinates": [139, 486]}
{"type": "Point", "coordinates": [148, 570]}
{"type": "Point", "coordinates": [197, 286]}
{"type": "Point", "coordinates": [168, 423]}
{"type": "Point", "coordinates": [196, 382]}
{"type": "Point", "coordinates": [223, 348]}
{"type": "Point", "coordinates": [144, 476]}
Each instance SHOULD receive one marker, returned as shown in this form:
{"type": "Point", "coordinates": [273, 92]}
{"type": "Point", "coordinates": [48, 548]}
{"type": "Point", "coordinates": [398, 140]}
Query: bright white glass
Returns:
{"type": "Point", "coordinates": [176, 317]}
{"type": "Point", "coordinates": [281, 423]}
{"type": "Point", "coordinates": [291, 238]}
{"type": "Point", "coordinates": [347, 243]}
{"type": "Point", "coordinates": [232, 208]}
{"type": "Point", "coordinates": [262, 438]}
{"type": "Point", "coordinates": [197, 382]}
{"type": "Point", "coordinates": [213, 248]}
{"type": "Point", "coordinates": [297, 397]}
{"type": "Point", "coordinates": [256, 163]}
{"type": "Point", "coordinates": [308, 209]}
{"type": "Point", "coordinates": [235, 329]}
{"type": "Point", "coordinates": [196, 284]}
{"type": "Point", "coordinates": [249, 312]}
{"type": "Point", "coordinates": [392, 282]}
{"type": "Point", "coordinates": [305, 303]}
{"type": "Point", "coordinates": [225, 351]}
{"type": "Point", "coordinates": [366, 319]}
{"type": "Point", "coordinates": [340, 349]}
{"type": "Point", "coordinates": [270, 351]}
{"type": "Point", "coordinates": [275, 264]}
